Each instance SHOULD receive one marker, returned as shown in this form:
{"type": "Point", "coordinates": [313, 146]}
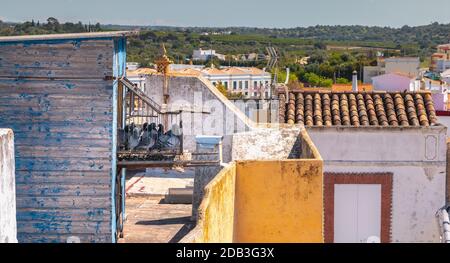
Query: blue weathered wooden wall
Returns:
{"type": "Point", "coordinates": [63, 137]}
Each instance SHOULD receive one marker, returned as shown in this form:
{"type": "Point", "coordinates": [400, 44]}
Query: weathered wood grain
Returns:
{"type": "Point", "coordinates": [63, 137]}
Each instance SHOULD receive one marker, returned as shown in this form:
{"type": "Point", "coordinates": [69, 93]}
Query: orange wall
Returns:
{"type": "Point", "coordinates": [279, 201]}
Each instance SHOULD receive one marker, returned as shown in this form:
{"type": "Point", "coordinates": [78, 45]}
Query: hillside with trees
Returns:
{"type": "Point", "coordinates": [334, 51]}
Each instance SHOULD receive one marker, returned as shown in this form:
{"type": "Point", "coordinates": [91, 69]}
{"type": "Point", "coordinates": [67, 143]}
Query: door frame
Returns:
{"type": "Point", "coordinates": [384, 179]}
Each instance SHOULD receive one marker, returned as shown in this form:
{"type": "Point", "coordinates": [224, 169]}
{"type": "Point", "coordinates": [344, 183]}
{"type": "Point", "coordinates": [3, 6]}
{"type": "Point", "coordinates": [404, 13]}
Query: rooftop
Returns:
{"type": "Point", "coordinates": [141, 71]}
{"type": "Point", "coordinates": [358, 109]}
{"type": "Point", "coordinates": [90, 35]}
{"type": "Point", "coordinates": [224, 71]}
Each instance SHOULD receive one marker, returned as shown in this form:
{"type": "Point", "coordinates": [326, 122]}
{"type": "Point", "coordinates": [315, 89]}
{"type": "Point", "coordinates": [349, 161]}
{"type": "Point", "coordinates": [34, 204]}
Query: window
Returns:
{"type": "Point", "coordinates": [255, 84]}
{"type": "Point", "coordinates": [214, 83]}
{"type": "Point", "coordinates": [255, 94]}
{"type": "Point", "coordinates": [234, 84]}
{"type": "Point", "coordinates": [240, 84]}
{"type": "Point", "coordinates": [226, 84]}
{"type": "Point", "coordinates": [246, 84]}
{"type": "Point", "coordinates": [246, 93]}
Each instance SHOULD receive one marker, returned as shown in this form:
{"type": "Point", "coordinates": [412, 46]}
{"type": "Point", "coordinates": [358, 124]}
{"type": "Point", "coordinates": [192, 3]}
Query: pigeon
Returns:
{"type": "Point", "coordinates": [134, 138]}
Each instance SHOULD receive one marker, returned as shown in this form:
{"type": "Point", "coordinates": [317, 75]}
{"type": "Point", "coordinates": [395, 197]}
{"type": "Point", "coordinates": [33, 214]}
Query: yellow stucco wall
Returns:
{"type": "Point", "coordinates": [263, 201]}
{"type": "Point", "coordinates": [279, 201]}
{"type": "Point", "coordinates": [216, 212]}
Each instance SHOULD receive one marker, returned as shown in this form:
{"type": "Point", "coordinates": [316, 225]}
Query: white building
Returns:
{"type": "Point", "coordinates": [405, 65]}
{"type": "Point", "coordinates": [395, 82]}
{"type": "Point", "coordinates": [442, 65]}
{"type": "Point", "coordinates": [138, 76]}
{"type": "Point", "coordinates": [249, 81]}
{"type": "Point", "coordinates": [446, 76]}
{"type": "Point", "coordinates": [384, 162]}
{"type": "Point", "coordinates": [440, 61]}
{"type": "Point", "coordinates": [133, 65]}
{"type": "Point", "coordinates": [205, 54]}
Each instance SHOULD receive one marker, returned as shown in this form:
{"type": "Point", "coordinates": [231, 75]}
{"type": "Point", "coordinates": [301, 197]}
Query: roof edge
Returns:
{"type": "Point", "coordinates": [70, 36]}
{"type": "Point", "coordinates": [356, 92]}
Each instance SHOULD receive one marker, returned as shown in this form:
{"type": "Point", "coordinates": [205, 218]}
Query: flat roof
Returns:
{"type": "Point", "coordinates": [90, 35]}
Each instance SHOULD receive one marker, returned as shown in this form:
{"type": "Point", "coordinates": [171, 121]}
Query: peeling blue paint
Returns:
{"type": "Point", "coordinates": [38, 121]}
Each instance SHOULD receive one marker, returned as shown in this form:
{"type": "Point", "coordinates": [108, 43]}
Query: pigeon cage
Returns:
{"type": "Point", "coordinates": [146, 131]}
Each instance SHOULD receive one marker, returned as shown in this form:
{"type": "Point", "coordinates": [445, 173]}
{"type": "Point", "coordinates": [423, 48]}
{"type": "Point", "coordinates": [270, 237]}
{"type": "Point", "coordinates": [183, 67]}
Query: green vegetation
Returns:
{"type": "Point", "coordinates": [317, 81]}
{"type": "Point", "coordinates": [221, 88]}
{"type": "Point", "coordinates": [52, 26]}
{"type": "Point", "coordinates": [334, 51]}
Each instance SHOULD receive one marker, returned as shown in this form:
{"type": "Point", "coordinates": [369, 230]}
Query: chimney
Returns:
{"type": "Point", "coordinates": [355, 81]}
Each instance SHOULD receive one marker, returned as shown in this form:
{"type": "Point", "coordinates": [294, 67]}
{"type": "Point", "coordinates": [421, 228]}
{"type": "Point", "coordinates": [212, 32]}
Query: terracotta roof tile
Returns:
{"type": "Point", "coordinates": [357, 109]}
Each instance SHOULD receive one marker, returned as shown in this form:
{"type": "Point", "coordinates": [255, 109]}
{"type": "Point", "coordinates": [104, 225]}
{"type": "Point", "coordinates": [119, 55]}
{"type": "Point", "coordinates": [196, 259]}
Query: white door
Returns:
{"type": "Point", "coordinates": [357, 213]}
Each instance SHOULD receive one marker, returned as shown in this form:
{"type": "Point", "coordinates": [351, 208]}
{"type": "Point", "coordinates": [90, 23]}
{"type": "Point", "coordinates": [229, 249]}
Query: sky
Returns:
{"type": "Point", "coordinates": [220, 13]}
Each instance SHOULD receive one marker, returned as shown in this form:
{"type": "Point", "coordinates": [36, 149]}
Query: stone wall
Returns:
{"type": "Point", "coordinates": [8, 225]}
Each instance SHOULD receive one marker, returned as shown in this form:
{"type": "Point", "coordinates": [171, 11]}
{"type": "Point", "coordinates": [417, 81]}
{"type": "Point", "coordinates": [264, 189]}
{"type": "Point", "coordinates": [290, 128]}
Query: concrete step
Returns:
{"type": "Point", "coordinates": [179, 196]}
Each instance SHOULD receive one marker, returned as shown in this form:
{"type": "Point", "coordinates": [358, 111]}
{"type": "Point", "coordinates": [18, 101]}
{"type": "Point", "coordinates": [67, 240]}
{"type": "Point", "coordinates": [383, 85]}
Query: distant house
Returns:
{"type": "Point", "coordinates": [205, 54]}
{"type": "Point", "coordinates": [409, 66]}
{"type": "Point", "coordinates": [137, 76]}
{"type": "Point", "coordinates": [440, 61]}
{"type": "Point", "coordinates": [445, 76]}
{"type": "Point", "coordinates": [249, 81]}
{"type": "Point", "coordinates": [393, 82]}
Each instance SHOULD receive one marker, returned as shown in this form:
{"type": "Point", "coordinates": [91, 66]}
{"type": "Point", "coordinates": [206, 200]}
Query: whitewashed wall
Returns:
{"type": "Point", "coordinates": [415, 156]}
{"type": "Point", "coordinates": [205, 110]}
{"type": "Point", "coordinates": [8, 225]}
{"type": "Point", "coordinates": [445, 120]}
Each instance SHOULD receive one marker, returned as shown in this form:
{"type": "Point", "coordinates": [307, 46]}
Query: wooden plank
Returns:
{"type": "Point", "coordinates": [66, 202]}
{"type": "Point", "coordinates": [61, 136]}
{"type": "Point", "coordinates": [44, 129]}
{"type": "Point", "coordinates": [54, 62]}
{"type": "Point", "coordinates": [68, 74]}
{"type": "Point", "coordinates": [62, 164]}
{"type": "Point", "coordinates": [62, 238]}
{"type": "Point", "coordinates": [75, 142]}
{"type": "Point", "coordinates": [62, 178]}
{"type": "Point", "coordinates": [48, 91]}
{"type": "Point", "coordinates": [46, 126]}
{"type": "Point", "coordinates": [54, 104]}
{"type": "Point", "coordinates": [58, 116]}
{"type": "Point", "coordinates": [63, 227]}
{"type": "Point", "coordinates": [66, 215]}
{"type": "Point", "coordinates": [59, 190]}
{"type": "Point", "coordinates": [61, 151]}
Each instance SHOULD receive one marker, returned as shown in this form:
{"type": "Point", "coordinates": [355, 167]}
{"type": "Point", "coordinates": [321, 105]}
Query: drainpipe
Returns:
{"type": "Point", "coordinates": [444, 224]}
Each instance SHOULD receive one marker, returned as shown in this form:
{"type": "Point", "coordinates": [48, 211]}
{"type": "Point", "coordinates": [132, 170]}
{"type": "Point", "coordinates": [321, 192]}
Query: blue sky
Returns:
{"type": "Point", "coordinates": [253, 13]}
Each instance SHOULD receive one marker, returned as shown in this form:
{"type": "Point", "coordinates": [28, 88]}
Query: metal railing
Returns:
{"type": "Point", "coordinates": [136, 108]}
{"type": "Point", "coordinates": [140, 109]}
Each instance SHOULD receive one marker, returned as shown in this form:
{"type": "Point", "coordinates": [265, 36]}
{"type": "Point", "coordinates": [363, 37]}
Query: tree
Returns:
{"type": "Point", "coordinates": [97, 27]}
{"type": "Point", "coordinates": [317, 81]}
{"type": "Point", "coordinates": [320, 45]}
{"type": "Point", "coordinates": [222, 88]}
{"type": "Point", "coordinates": [53, 24]}
{"type": "Point", "coordinates": [205, 38]}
